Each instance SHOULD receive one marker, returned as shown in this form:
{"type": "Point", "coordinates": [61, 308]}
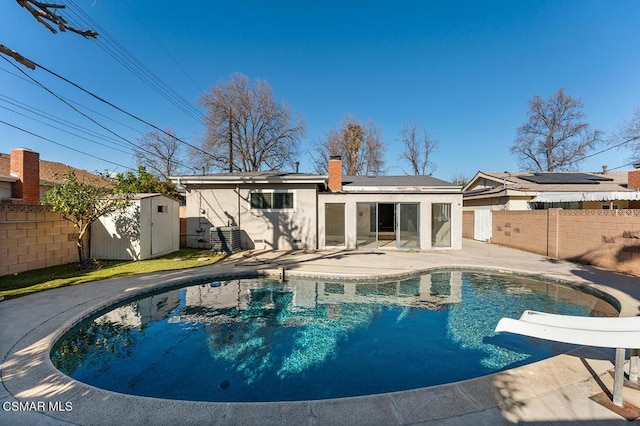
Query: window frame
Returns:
{"type": "Point", "coordinates": [271, 192]}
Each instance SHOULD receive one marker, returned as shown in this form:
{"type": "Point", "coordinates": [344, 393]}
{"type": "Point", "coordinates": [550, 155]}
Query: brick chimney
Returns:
{"type": "Point", "coordinates": [25, 165]}
{"type": "Point", "coordinates": [634, 178]}
{"type": "Point", "coordinates": [335, 173]}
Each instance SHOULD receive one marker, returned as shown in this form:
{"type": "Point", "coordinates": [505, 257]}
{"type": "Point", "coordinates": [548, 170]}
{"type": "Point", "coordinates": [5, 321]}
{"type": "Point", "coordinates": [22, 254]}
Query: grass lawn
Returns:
{"type": "Point", "coordinates": [64, 275]}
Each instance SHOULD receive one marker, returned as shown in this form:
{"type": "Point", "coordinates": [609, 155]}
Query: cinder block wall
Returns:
{"type": "Point", "coordinates": [468, 224]}
{"type": "Point", "coordinates": [605, 238]}
{"type": "Point", "coordinates": [33, 237]}
{"type": "Point", "coordinates": [524, 230]}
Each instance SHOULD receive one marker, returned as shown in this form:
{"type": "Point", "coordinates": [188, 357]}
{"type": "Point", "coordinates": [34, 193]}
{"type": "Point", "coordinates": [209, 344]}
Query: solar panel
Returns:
{"type": "Point", "coordinates": [565, 178]}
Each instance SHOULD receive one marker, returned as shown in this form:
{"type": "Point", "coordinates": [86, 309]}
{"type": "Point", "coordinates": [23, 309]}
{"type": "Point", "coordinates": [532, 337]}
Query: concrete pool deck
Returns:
{"type": "Point", "coordinates": [553, 391]}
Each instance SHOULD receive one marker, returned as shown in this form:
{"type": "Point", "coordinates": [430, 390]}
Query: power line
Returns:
{"type": "Point", "coordinates": [606, 149]}
{"type": "Point", "coordinates": [73, 102]}
{"type": "Point", "coordinates": [63, 145]}
{"type": "Point", "coordinates": [66, 131]}
{"type": "Point", "coordinates": [162, 46]}
{"type": "Point", "coordinates": [88, 117]}
{"type": "Point", "coordinates": [61, 121]}
{"type": "Point", "coordinates": [127, 59]}
{"type": "Point", "coordinates": [196, 148]}
{"type": "Point", "coordinates": [74, 108]}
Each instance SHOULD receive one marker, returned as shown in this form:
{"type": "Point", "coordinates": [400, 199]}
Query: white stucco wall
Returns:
{"type": "Point", "coordinates": [498, 203]}
{"type": "Point", "coordinates": [261, 229]}
{"type": "Point", "coordinates": [5, 190]}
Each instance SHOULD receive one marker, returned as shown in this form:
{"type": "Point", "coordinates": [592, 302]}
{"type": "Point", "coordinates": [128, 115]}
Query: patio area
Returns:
{"type": "Point", "coordinates": [553, 391]}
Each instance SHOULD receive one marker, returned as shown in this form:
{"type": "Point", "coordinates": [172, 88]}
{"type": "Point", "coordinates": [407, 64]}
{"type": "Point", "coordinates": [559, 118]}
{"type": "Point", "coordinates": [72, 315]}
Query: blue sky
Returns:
{"type": "Point", "coordinates": [462, 69]}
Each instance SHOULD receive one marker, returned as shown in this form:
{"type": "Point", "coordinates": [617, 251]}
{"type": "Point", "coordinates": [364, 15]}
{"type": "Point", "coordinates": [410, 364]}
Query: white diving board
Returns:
{"type": "Point", "coordinates": [603, 332]}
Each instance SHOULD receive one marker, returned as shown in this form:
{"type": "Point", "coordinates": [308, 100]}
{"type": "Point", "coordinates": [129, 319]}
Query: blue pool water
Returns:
{"type": "Point", "coordinates": [260, 340]}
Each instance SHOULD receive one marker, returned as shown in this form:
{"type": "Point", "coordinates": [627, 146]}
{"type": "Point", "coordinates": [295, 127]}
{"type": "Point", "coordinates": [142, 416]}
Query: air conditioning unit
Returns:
{"type": "Point", "coordinates": [225, 239]}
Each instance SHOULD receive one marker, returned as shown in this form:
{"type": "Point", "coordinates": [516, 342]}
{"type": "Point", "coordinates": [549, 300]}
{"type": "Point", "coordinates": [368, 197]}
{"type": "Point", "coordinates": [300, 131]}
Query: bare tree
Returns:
{"type": "Point", "coordinates": [360, 146]}
{"type": "Point", "coordinates": [556, 137]}
{"type": "Point", "coordinates": [160, 152]}
{"type": "Point", "coordinates": [628, 137]}
{"type": "Point", "coordinates": [46, 14]}
{"type": "Point", "coordinates": [419, 147]}
{"type": "Point", "coordinates": [263, 134]}
{"type": "Point", "coordinates": [460, 179]}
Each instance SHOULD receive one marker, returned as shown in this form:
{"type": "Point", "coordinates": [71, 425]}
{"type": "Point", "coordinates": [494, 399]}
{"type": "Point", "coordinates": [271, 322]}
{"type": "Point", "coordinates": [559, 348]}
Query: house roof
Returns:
{"type": "Point", "coordinates": [349, 183]}
{"type": "Point", "coordinates": [395, 183]}
{"type": "Point", "coordinates": [558, 186]}
{"type": "Point", "coordinates": [270, 177]}
{"type": "Point", "coordinates": [50, 171]}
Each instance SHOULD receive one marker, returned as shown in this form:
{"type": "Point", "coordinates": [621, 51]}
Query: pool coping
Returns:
{"type": "Point", "coordinates": [28, 375]}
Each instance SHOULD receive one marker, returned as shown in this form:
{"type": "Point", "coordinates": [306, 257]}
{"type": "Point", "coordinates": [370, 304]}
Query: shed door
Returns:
{"type": "Point", "coordinates": [161, 226]}
{"type": "Point", "coordinates": [482, 225]}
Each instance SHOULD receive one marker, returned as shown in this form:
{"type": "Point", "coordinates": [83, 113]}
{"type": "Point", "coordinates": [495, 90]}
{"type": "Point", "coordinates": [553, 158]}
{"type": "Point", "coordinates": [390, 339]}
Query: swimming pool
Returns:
{"type": "Point", "coordinates": [261, 340]}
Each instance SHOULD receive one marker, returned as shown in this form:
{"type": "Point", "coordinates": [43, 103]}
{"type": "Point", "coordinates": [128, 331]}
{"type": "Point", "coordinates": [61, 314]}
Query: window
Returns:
{"type": "Point", "coordinates": [334, 224]}
{"type": "Point", "coordinates": [440, 225]}
{"type": "Point", "coordinates": [569, 205]}
{"type": "Point", "coordinates": [610, 207]}
{"type": "Point", "coordinates": [162, 209]}
{"type": "Point", "coordinates": [271, 200]}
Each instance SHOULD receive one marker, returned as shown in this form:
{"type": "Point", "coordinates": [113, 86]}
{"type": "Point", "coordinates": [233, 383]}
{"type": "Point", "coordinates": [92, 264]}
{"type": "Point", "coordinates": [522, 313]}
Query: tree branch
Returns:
{"type": "Point", "coordinates": [42, 13]}
{"type": "Point", "coordinates": [18, 57]}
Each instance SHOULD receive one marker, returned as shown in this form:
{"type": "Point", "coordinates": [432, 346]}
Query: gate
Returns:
{"type": "Point", "coordinates": [482, 225]}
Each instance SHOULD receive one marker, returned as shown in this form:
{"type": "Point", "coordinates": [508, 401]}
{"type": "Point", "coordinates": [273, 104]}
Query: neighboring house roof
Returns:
{"type": "Point", "coordinates": [50, 171]}
{"type": "Point", "coordinates": [551, 187]}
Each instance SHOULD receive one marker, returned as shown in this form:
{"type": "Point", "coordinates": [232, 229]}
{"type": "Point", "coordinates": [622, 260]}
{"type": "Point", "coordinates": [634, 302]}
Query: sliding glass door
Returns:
{"type": "Point", "coordinates": [394, 225]}
{"type": "Point", "coordinates": [367, 225]}
{"type": "Point", "coordinates": [440, 225]}
{"type": "Point", "coordinates": [408, 235]}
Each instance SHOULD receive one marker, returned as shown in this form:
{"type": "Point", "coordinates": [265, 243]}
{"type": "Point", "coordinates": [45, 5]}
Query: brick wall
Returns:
{"type": "Point", "coordinates": [335, 174]}
{"type": "Point", "coordinates": [26, 165]}
{"type": "Point", "coordinates": [633, 179]}
{"type": "Point", "coordinates": [605, 238]}
{"type": "Point", "coordinates": [468, 224]}
{"type": "Point", "coordinates": [33, 237]}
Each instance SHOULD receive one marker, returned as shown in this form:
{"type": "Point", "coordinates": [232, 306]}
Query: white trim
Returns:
{"type": "Point", "coordinates": [238, 180]}
{"type": "Point", "coordinates": [401, 189]}
{"type": "Point", "coordinates": [565, 197]}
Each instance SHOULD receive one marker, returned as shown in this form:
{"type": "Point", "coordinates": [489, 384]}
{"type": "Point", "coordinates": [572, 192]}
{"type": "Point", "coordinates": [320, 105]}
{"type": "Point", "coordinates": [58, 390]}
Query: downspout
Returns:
{"type": "Point", "coordinates": [238, 193]}
{"type": "Point", "coordinates": [318, 219]}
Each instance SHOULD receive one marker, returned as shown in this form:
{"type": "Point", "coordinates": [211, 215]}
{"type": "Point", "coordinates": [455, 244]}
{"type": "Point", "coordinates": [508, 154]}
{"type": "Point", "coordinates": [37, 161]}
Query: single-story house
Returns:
{"type": "Point", "coordinates": [274, 210]}
{"type": "Point", "coordinates": [543, 190]}
{"type": "Point", "coordinates": [148, 227]}
{"type": "Point", "coordinates": [24, 178]}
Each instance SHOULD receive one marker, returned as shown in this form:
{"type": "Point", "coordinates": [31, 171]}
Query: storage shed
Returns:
{"type": "Point", "coordinates": [148, 228]}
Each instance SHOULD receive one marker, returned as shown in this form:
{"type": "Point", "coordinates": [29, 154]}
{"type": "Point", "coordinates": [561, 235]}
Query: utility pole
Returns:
{"type": "Point", "coordinates": [230, 143]}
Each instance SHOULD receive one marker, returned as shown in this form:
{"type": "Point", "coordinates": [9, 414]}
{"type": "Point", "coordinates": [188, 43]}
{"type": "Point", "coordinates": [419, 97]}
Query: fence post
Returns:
{"type": "Point", "coordinates": [553, 222]}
